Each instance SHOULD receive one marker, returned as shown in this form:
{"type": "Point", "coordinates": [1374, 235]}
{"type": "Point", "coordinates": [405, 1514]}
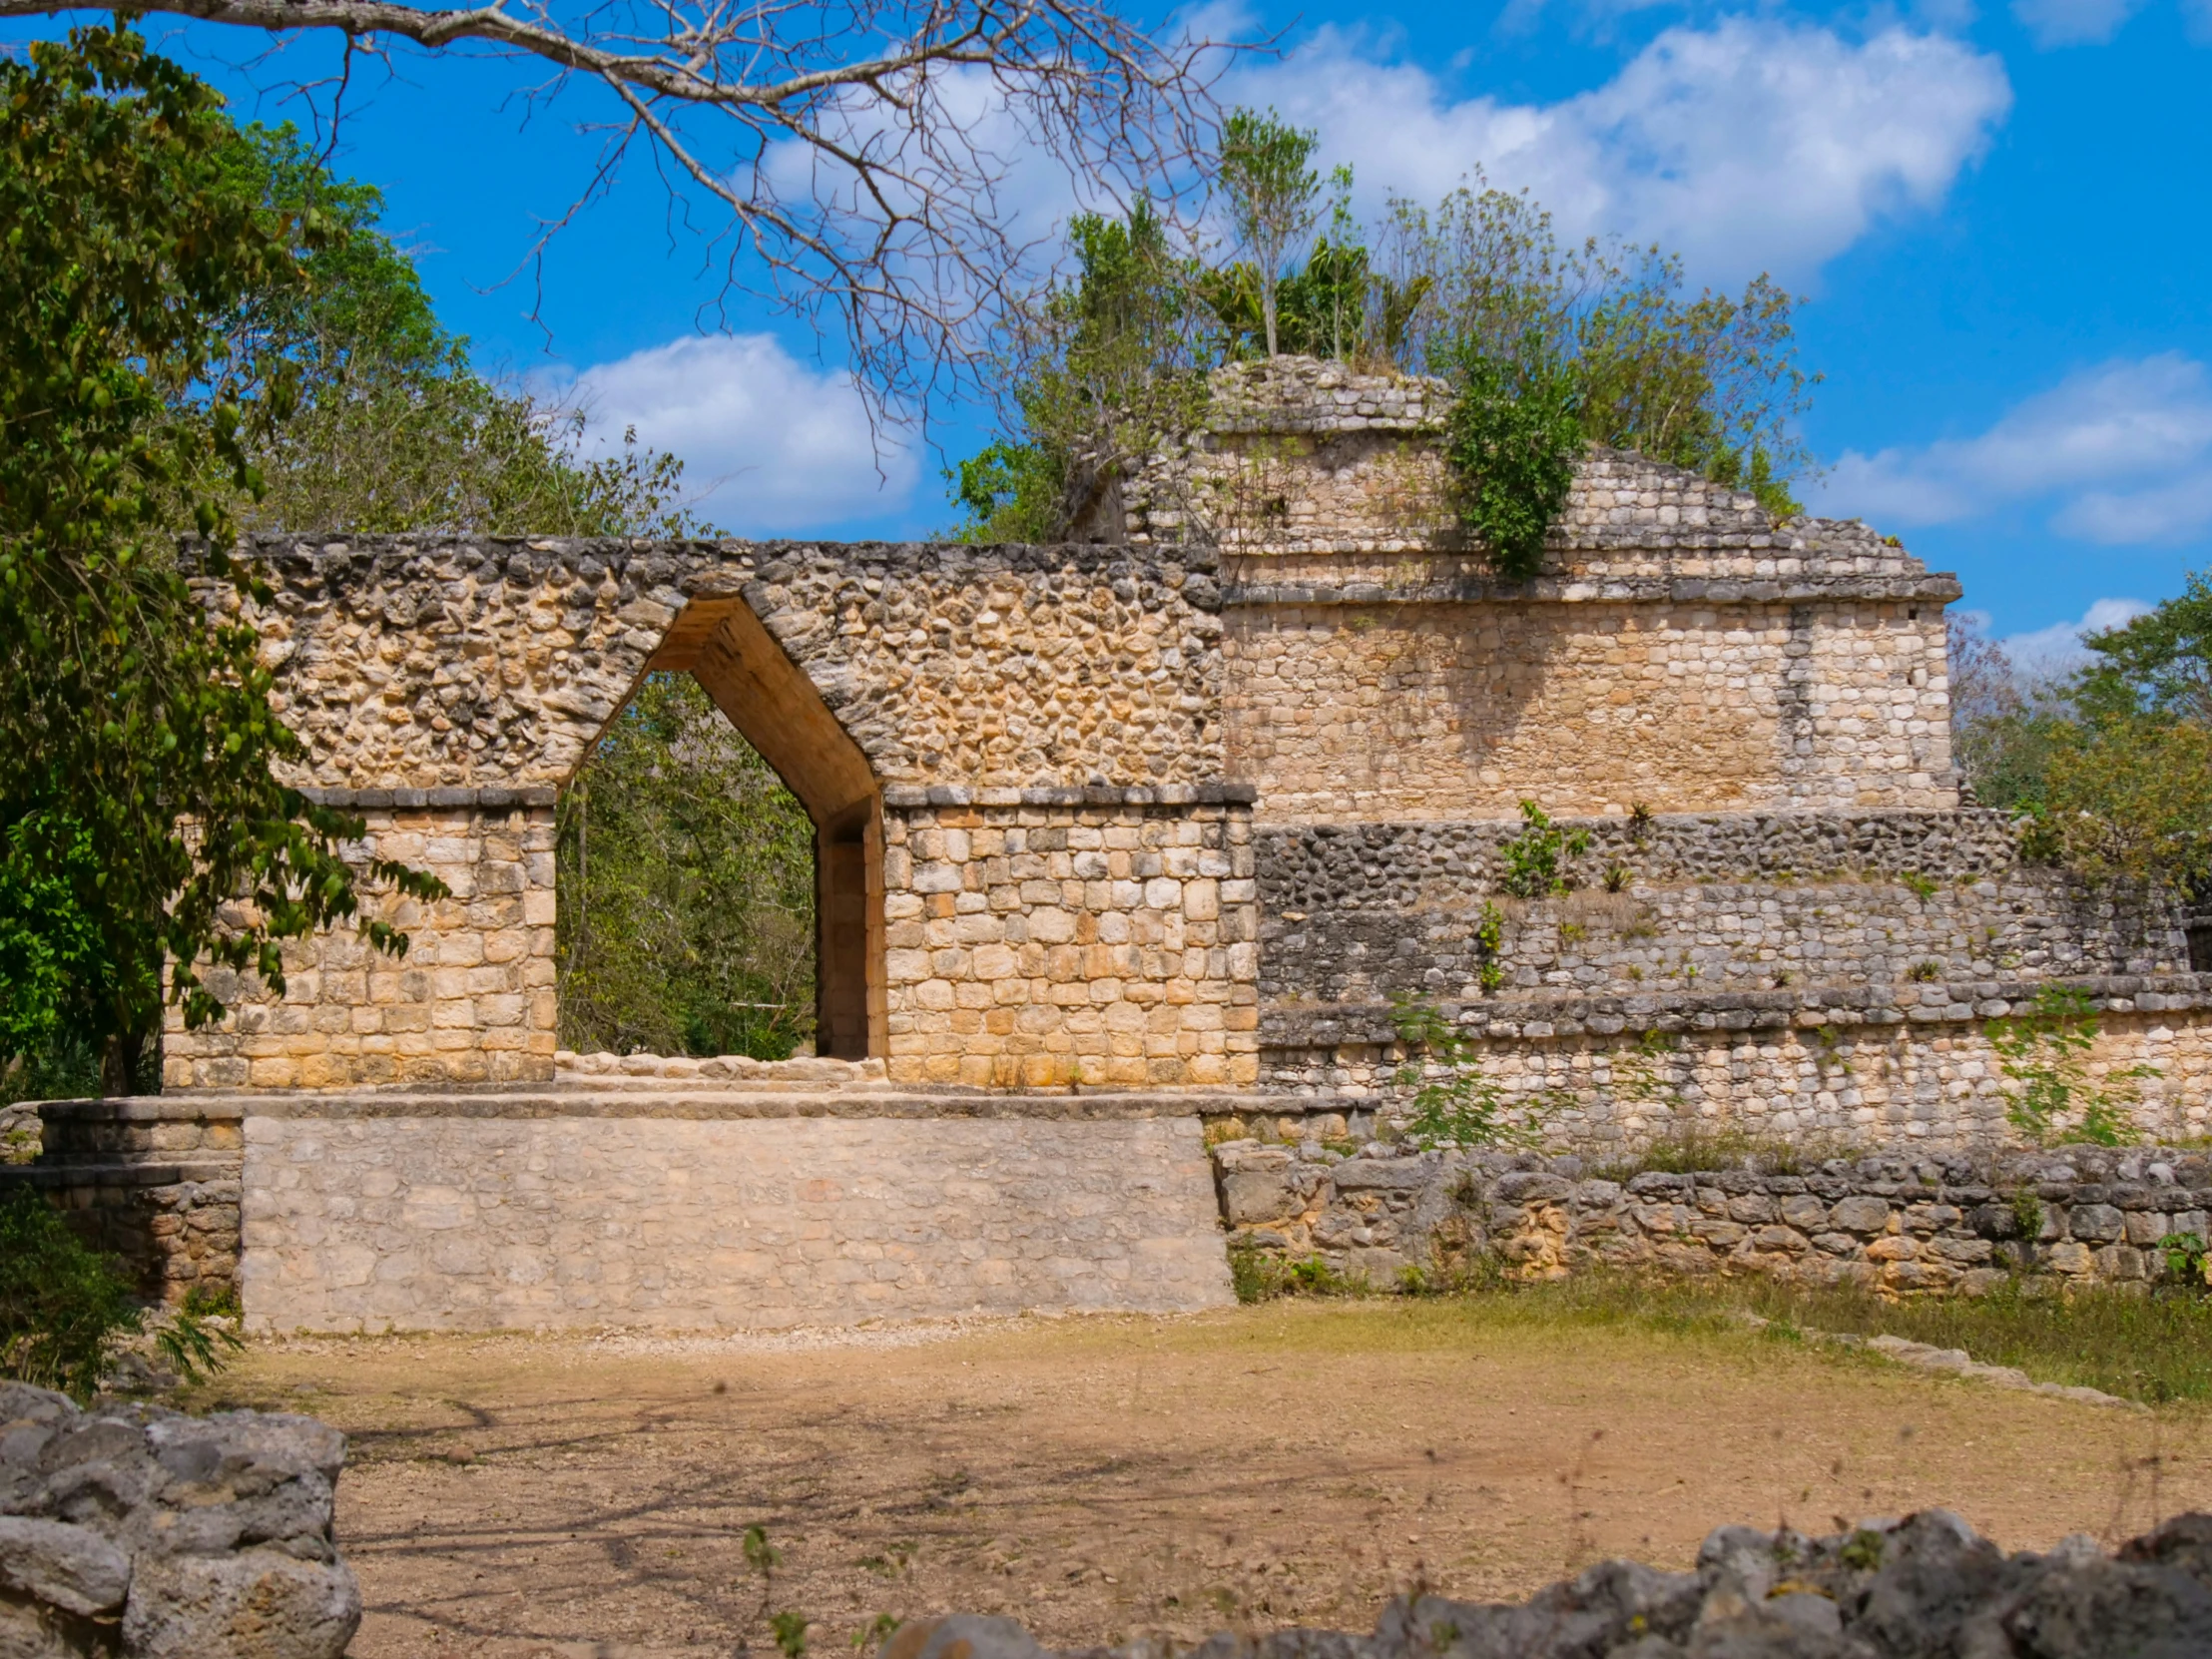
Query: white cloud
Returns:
{"type": "Point", "coordinates": [2074, 22]}
{"type": "Point", "coordinates": [768, 444]}
{"type": "Point", "coordinates": [1753, 144]}
{"type": "Point", "coordinates": [2054, 652]}
{"type": "Point", "coordinates": [2122, 452]}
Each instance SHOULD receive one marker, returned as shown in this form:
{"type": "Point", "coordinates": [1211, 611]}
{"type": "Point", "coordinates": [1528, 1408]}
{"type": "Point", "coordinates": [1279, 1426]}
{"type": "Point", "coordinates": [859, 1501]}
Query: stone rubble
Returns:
{"type": "Point", "coordinates": [138, 1532]}
{"type": "Point", "coordinates": [1926, 1587]}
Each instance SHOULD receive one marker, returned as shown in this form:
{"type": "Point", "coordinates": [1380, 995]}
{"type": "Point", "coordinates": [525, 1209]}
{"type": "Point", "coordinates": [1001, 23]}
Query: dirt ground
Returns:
{"type": "Point", "coordinates": [1099, 1478]}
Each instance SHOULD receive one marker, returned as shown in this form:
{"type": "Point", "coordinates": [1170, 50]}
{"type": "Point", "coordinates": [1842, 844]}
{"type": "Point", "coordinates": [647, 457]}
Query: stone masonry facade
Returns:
{"type": "Point", "coordinates": [1901, 1224]}
{"type": "Point", "coordinates": [1182, 813]}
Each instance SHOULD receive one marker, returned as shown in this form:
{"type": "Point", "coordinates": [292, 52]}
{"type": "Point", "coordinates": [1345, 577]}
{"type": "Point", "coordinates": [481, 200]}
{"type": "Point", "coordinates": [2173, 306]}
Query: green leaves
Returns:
{"type": "Point", "coordinates": [1510, 443]}
{"type": "Point", "coordinates": [2044, 1055]}
{"type": "Point", "coordinates": [137, 741]}
{"type": "Point", "coordinates": [686, 872]}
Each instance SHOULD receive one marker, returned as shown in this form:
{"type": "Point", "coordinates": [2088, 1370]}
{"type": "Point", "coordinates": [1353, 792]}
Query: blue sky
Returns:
{"type": "Point", "coordinates": [2001, 220]}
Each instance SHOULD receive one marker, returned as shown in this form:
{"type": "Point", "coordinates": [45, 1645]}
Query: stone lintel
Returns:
{"type": "Point", "coordinates": [906, 796]}
{"type": "Point", "coordinates": [1635, 590]}
{"type": "Point", "coordinates": [486, 798]}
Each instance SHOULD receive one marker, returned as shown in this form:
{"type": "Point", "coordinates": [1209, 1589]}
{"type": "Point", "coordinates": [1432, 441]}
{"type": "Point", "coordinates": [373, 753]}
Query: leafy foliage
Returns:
{"type": "Point", "coordinates": [2044, 1054]}
{"type": "Point", "coordinates": [1273, 201]}
{"type": "Point", "coordinates": [131, 721]}
{"type": "Point", "coordinates": [1710, 383]}
{"type": "Point", "coordinates": [1536, 858]}
{"type": "Point", "coordinates": [1511, 442]}
{"type": "Point", "coordinates": [2113, 765]}
{"type": "Point", "coordinates": [66, 1311]}
{"type": "Point", "coordinates": [687, 879]}
{"type": "Point", "coordinates": [1453, 1103]}
{"type": "Point", "coordinates": [1097, 370]}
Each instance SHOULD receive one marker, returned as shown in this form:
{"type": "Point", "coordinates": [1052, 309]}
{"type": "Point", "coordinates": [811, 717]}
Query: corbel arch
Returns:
{"type": "Point", "coordinates": [775, 706]}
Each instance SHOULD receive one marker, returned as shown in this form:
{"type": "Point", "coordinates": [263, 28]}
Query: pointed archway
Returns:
{"type": "Point", "coordinates": [771, 702]}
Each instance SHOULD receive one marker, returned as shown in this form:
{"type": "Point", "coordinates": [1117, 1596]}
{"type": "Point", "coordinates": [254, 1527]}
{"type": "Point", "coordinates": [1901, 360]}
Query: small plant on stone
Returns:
{"type": "Point", "coordinates": [1925, 973]}
{"type": "Point", "coordinates": [876, 1633]}
{"type": "Point", "coordinates": [786, 1625]}
{"type": "Point", "coordinates": [2028, 1215]}
{"type": "Point", "coordinates": [1490, 949]}
{"type": "Point", "coordinates": [2044, 1054]}
{"type": "Point", "coordinates": [2187, 1259]}
{"type": "Point", "coordinates": [1924, 887]}
{"type": "Point", "coordinates": [1617, 877]}
{"type": "Point", "coordinates": [1639, 823]}
{"type": "Point", "coordinates": [1453, 1103]}
{"type": "Point", "coordinates": [1535, 858]}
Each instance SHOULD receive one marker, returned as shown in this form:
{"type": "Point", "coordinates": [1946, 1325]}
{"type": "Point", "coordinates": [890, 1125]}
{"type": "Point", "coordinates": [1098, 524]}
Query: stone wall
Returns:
{"type": "Point", "coordinates": [472, 1001]}
{"type": "Point", "coordinates": [1044, 946]}
{"type": "Point", "coordinates": [137, 1532]}
{"type": "Point", "coordinates": [1899, 1223]}
{"type": "Point", "coordinates": [406, 1222]}
{"type": "Point", "coordinates": [1614, 1073]}
{"type": "Point", "coordinates": [1341, 711]}
{"type": "Point", "coordinates": [1678, 648]}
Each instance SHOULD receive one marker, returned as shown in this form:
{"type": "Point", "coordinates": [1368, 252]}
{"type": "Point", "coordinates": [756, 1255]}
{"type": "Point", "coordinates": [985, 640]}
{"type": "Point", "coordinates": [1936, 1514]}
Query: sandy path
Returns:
{"type": "Point", "coordinates": [514, 1497]}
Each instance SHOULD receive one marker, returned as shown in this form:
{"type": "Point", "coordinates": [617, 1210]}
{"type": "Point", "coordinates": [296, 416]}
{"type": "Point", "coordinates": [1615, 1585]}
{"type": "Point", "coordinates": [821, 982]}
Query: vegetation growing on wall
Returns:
{"type": "Point", "coordinates": [686, 875]}
{"type": "Point", "coordinates": [1548, 347]}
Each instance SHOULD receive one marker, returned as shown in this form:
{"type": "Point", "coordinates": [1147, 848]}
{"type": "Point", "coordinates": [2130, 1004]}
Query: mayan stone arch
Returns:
{"type": "Point", "coordinates": [921, 702]}
{"type": "Point", "coordinates": [1128, 848]}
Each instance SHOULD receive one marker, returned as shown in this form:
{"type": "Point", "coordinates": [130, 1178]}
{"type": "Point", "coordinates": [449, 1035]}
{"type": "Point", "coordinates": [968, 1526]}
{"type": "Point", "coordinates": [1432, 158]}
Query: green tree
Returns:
{"type": "Point", "coordinates": [1274, 197]}
{"type": "Point", "coordinates": [393, 429]}
{"type": "Point", "coordinates": [686, 874]}
{"type": "Point", "coordinates": [1097, 370]}
{"type": "Point", "coordinates": [132, 721]}
{"type": "Point", "coordinates": [1711, 383]}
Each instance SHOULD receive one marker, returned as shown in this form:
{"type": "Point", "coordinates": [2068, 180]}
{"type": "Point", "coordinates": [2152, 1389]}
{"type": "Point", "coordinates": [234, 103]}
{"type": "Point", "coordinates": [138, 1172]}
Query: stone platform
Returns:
{"type": "Point", "coordinates": [675, 1203]}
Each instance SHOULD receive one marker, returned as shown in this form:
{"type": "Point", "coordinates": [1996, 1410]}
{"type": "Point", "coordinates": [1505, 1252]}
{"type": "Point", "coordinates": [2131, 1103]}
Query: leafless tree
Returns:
{"type": "Point", "coordinates": [867, 158]}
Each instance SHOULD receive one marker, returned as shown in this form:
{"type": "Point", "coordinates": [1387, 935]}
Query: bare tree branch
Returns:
{"type": "Point", "coordinates": [885, 169]}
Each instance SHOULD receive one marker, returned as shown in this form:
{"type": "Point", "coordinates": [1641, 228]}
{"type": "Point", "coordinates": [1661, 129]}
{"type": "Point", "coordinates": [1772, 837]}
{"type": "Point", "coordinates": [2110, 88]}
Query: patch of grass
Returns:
{"type": "Point", "coordinates": [2152, 1348]}
{"type": "Point", "coordinates": [1689, 1147]}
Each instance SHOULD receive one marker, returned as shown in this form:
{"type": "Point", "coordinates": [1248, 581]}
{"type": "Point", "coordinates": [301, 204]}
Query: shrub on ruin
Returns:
{"type": "Point", "coordinates": [2044, 1055]}
{"type": "Point", "coordinates": [1453, 1103]}
{"type": "Point", "coordinates": [68, 1312]}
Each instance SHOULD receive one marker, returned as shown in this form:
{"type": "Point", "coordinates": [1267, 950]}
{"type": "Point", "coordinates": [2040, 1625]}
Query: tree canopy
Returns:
{"type": "Point", "coordinates": [1550, 347]}
{"type": "Point", "coordinates": [2113, 765]}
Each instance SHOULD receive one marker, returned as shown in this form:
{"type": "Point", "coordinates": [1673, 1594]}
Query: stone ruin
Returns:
{"type": "Point", "coordinates": [137, 1532]}
{"type": "Point", "coordinates": [1122, 846]}
{"type": "Point", "coordinates": [1924, 1587]}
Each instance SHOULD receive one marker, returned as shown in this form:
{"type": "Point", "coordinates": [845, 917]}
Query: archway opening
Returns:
{"type": "Point", "coordinates": [720, 861]}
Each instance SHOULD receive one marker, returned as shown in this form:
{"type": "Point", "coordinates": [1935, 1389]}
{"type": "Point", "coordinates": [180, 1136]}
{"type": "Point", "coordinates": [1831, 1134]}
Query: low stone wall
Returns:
{"type": "Point", "coordinates": [416, 1222]}
{"type": "Point", "coordinates": [1886, 1065]}
{"type": "Point", "coordinates": [1895, 1223]}
{"type": "Point", "coordinates": [155, 1180]}
{"type": "Point", "coordinates": [140, 1532]}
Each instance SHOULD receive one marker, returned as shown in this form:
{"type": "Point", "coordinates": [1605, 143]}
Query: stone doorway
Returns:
{"type": "Point", "coordinates": [776, 708]}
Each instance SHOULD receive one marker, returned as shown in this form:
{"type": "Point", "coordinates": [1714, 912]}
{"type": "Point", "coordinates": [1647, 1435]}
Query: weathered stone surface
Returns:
{"type": "Point", "coordinates": [1538, 1217]}
{"type": "Point", "coordinates": [255, 1604]}
{"type": "Point", "coordinates": [449, 1221]}
{"type": "Point", "coordinates": [1926, 1587]}
{"type": "Point", "coordinates": [139, 1531]}
{"type": "Point", "coordinates": [69, 1567]}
